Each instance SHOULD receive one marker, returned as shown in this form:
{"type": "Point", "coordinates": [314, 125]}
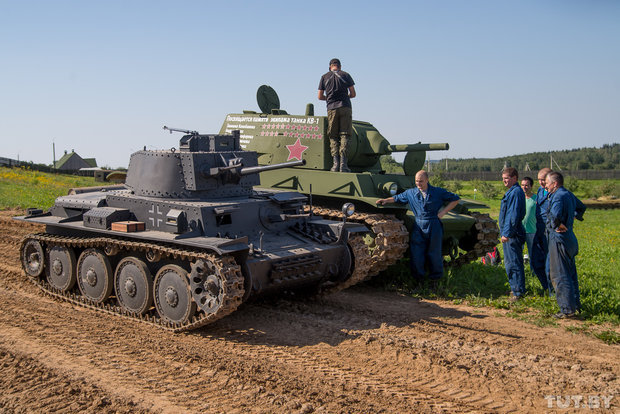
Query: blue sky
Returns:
{"type": "Point", "coordinates": [492, 78]}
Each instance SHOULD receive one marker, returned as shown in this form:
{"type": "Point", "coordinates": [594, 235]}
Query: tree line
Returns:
{"type": "Point", "coordinates": [606, 157]}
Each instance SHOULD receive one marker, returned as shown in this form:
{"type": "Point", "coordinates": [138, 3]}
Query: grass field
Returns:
{"type": "Point", "coordinates": [474, 284]}
{"type": "Point", "coordinates": [23, 188]}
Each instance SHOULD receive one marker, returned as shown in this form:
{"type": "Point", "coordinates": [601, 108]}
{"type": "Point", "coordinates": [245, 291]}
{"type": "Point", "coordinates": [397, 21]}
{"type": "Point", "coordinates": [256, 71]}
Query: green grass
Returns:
{"type": "Point", "coordinates": [23, 188]}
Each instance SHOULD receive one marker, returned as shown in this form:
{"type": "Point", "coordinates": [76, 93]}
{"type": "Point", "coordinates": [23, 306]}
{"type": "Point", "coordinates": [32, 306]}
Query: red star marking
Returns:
{"type": "Point", "coordinates": [296, 150]}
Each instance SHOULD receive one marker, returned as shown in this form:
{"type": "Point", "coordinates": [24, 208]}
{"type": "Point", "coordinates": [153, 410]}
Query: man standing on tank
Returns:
{"type": "Point", "coordinates": [512, 232]}
{"type": "Point", "coordinates": [564, 208]}
{"type": "Point", "coordinates": [337, 88]}
{"type": "Point", "coordinates": [427, 204]}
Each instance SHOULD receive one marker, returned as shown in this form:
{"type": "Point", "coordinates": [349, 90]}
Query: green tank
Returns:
{"type": "Point", "coordinates": [278, 137]}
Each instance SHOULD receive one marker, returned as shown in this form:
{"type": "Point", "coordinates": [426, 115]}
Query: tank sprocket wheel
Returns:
{"type": "Point", "coordinates": [390, 237]}
{"type": "Point", "coordinates": [61, 272]}
{"type": "Point", "coordinates": [214, 284]}
{"type": "Point", "coordinates": [32, 257]}
{"type": "Point", "coordinates": [133, 284]}
{"type": "Point", "coordinates": [229, 268]}
{"type": "Point", "coordinates": [95, 276]}
{"type": "Point", "coordinates": [173, 296]}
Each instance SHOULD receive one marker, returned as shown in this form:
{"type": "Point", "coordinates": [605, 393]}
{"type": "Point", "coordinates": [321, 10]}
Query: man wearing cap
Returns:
{"type": "Point", "coordinates": [337, 88]}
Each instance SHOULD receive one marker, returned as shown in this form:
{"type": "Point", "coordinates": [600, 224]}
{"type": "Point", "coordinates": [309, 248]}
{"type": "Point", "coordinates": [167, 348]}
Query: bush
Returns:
{"type": "Point", "coordinates": [605, 189]}
{"type": "Point", "coordinates": [454, 186]}
{"type": "Point", "coordinates": [437, 180]}
{"type": "Point", "coordinates": [487, 190]}
{"type": "Point", "coordinates": [572, 184]}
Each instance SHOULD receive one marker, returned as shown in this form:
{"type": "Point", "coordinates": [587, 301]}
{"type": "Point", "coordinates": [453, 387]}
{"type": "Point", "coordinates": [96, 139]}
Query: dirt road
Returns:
{"type": "Point", "coordinates": [360, 350]}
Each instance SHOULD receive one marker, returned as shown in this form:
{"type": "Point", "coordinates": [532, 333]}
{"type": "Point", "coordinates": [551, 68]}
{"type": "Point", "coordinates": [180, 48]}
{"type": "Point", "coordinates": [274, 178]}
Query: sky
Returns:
{"type": "Point", "coordinates": [491, 78]}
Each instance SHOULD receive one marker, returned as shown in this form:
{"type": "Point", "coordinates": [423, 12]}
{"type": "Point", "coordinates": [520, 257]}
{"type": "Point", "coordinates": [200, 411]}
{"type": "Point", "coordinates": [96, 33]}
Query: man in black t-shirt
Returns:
{"type": "Point", "coordinates": [336, 87]}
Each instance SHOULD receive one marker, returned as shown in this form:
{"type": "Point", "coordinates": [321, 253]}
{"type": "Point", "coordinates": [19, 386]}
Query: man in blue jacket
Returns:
{"type": "Point", "coordinates": [427, 204]}
{"type": "Point", "coordinates": [512, 232]}
{"type": "Point", "coordinates": [564, 208]}
{"type": "Point", "coordinates": [539, 254]}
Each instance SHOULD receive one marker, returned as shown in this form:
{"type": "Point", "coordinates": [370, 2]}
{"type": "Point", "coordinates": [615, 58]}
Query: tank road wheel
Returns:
{"type": "Point", "coordinates": [94, 275]}
{"type": "Point", "coordinates": [32, 258]}
{"type": "Point", "coordinates": [133, 285]}
{"type": "Point", "coordinates": [61, 269]}
{"type": "Point", "coordinates": [208, 288]}
{"type": "Point", "coordinates": [173, 297]}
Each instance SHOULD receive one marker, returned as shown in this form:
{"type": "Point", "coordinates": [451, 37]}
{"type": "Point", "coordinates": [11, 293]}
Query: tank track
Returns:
{"type": "Point", "coordinates": [487, 238]}
{"type": "Point", "coordinates": [361, 258]}
{"type": "Point", "coordinates": [226, 264]}
{"type": "Point", "coordinates": [391, 236]}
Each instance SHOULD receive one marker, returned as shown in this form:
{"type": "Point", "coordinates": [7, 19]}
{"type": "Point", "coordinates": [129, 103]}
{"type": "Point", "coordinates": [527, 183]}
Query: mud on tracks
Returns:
{"type": "Point", "coordinates": [359, 350]}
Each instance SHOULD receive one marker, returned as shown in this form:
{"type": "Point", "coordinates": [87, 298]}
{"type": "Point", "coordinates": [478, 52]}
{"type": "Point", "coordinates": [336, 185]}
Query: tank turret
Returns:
{"type": "Point", "coordinates": [278, 136]}
{"type": "Point", "coordinates": [205, 166]}
{"type": "Point", "coordinates": [188, 238]}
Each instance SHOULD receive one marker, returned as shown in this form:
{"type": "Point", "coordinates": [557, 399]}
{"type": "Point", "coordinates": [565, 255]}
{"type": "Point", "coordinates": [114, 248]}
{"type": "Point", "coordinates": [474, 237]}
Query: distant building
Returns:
{"type": "Point", "coordinates": [72, 162]}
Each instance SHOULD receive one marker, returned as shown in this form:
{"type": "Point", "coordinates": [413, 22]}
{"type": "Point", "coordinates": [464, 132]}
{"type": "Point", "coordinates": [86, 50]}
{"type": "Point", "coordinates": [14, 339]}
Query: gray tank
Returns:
{"type": "Point", "coordinates": [188, 239]}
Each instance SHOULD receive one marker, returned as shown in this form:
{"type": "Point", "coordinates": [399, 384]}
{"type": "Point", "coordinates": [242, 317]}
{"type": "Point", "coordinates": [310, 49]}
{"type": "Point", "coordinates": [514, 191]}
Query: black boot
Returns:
{"type": "Point", "coordinates": [343, 164]}
{"type": "Point", "coordinates": [336, 166]}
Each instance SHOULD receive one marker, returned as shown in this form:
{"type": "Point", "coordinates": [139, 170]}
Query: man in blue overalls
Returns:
{"type": "Point", "coordinates": [564, 208]}
{"type": "Point", "coordinates": [427, 204]}
{"type": "Point", "coordinates": [539, 254]}
{"type": "Point", "coordinates": [512, 232]}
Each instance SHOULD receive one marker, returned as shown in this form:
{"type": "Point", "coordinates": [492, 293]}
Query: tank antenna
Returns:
{"type": "Point", "coordinates": [310, 196]}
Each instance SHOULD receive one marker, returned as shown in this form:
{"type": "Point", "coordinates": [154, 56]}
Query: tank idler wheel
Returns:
{"type": "Point", "coordinates": [207, 286]}
{"type": "Point", "coordinates": [61, 270]}
{"type": "Point", "coordinates": [33, 259]}
{"type": "Point", "coordinates": [173, 296]}
{"type": "Point", "coordinates": [133, 285]}
{"type": "Point", "coordinates": [95, 275]}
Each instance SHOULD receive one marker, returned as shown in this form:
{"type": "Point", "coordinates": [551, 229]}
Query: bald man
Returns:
{"type": "Point", "coordinates": [427, 204]}
{"type": "Point", "coordinates": [539, 254]}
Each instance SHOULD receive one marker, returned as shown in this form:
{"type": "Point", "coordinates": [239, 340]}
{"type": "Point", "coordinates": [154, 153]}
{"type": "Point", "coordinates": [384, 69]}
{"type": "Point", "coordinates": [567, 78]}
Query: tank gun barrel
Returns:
{"type": "Point", "coordinates": [184, 131]}
{"type": "Point", "coordinates": [418, 147]}
{"type": "Point", "coordinates": [253, 170]}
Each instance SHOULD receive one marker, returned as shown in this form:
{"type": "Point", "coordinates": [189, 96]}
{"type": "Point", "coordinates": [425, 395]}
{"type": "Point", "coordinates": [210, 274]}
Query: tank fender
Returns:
{"type": "Point", "coordinates": [347, 229]}
{"type": "Point", "coordinates": [344, 230]}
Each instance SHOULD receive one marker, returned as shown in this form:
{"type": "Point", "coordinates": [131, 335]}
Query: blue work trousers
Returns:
{"type": "Point", "coordinates": [513, 262]}
{"type": "Point", "coordinates": [538, 250]}
{"type": "Point", "coordinates": [563, 248]}
{"type": "Point", "coordinates": [425, 248]}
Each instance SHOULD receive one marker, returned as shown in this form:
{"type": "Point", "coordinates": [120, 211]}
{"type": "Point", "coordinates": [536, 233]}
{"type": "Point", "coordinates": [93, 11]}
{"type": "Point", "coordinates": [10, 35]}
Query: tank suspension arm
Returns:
{"type": "Point", "coordinates": [418, 147]}
{"type": "Point", "coordinates": [258, 169]}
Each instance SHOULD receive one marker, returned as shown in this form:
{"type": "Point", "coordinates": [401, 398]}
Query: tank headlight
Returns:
{"type": "Point", "coordinates": [348, 209]}
{"type": "Point", "coordinates": [390, 188]}
{"type": "Point", "coordinates": [393, 189]}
